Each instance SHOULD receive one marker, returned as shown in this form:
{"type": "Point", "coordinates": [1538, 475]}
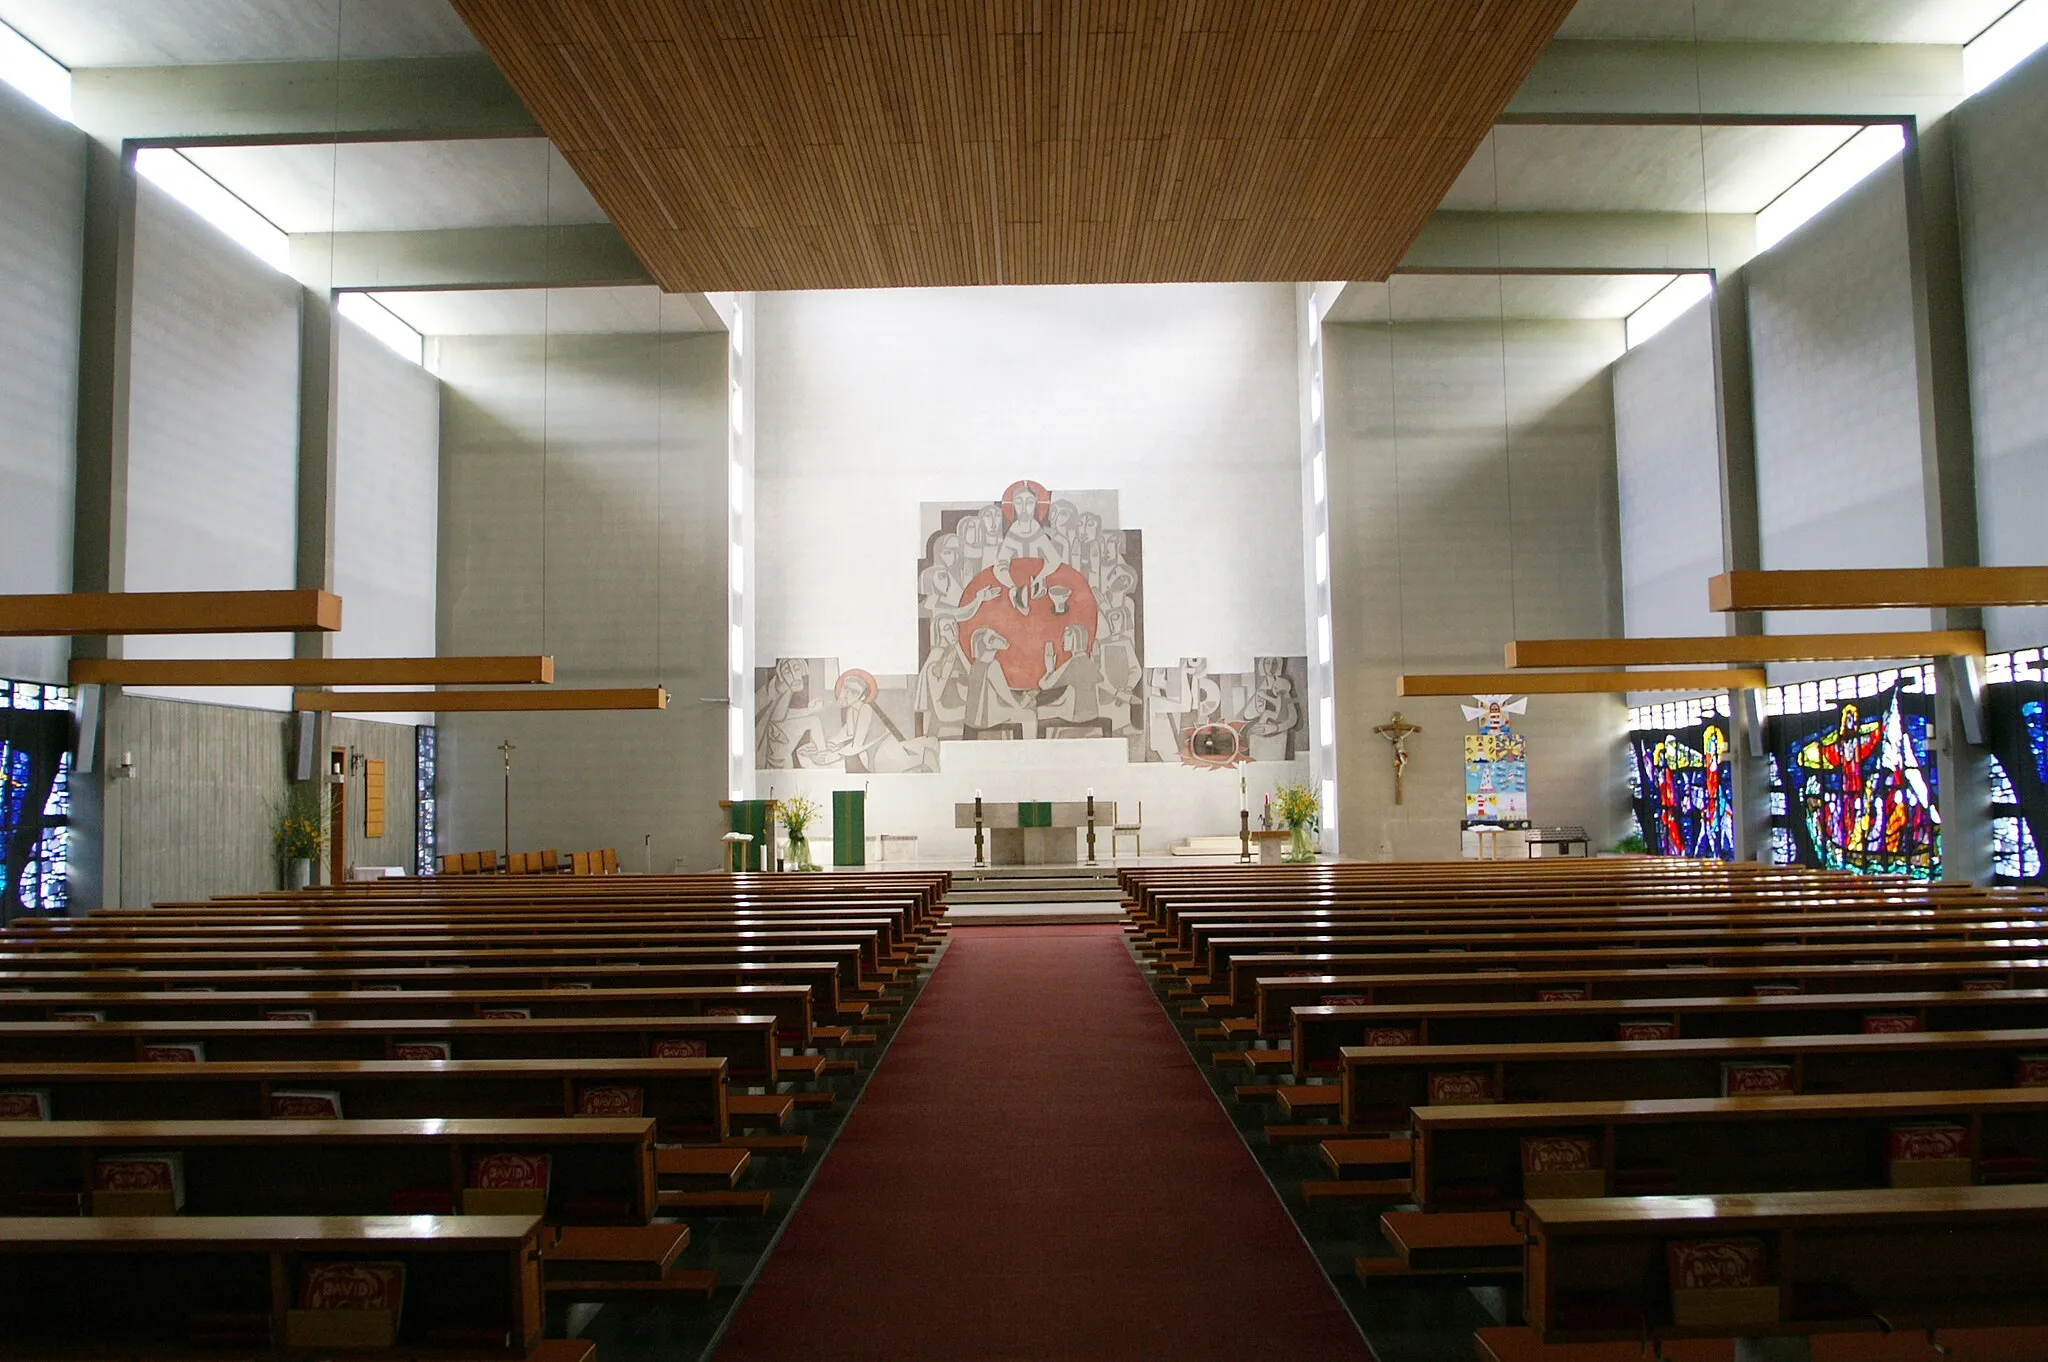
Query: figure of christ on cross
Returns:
{"type": "Point", "coordinates": [1397, 731]}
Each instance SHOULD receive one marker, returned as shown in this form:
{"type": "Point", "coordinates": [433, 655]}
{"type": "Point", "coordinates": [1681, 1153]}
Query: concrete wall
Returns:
{"type": "Point", "coordinates": [42, 207]}
{"type": "Point", "coordinates": [2004, 204]}
{"type": "Point", "coordinates": [213, 435]}
{"type": "Point", "coordinates": [1837, 417]}
{"type": "Point", "coordinates": [1472, 501]}
{"type": "Point", "coordinates": [583, 494]}
{"type": "Point", "coordinates": [1667, 458]}
{"type": "Point", "coordinates": [1182, 400]}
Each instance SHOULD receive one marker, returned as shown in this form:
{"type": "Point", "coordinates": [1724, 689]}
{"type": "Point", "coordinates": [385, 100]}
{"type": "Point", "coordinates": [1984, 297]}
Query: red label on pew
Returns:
{"type": "Point", "coordinates": [1346, 1000]}
{"type": "Point", "coordinates": [1774, 991]}
{"type": "Point", "coordinates": [1558, 1153]}
{"type": "Point", "coordinates": [680, 1049]}
{"type": "Point", "coordinates": [1450, 1087]}
{"type": "Point", "coordinates": [175, 1052]}
{"type": "Point", "coordinates": [1393, 1035]}
{"type": "Point", "coordinates": [1983, 985]}
{"type": "Point", "coordinates": [1561, 995]}
{"type": "Point", "coordinates": [378, 988]}
{"type": "Point", "coordinates": [725, 1012]}
{"type": "Point", "coordinates": [76, 1014]}
{"type": "Point", "coordinates": [421, 1049]}
{"type": "Point", "coordinates": [572, 984]}
{"type": "Point", "coordinates": [1892, 1024]}
{"type": "Point", "coordinates": [507, 1014]}
{"type": "Point", "coordinates": [1715, 1264]}
{"type": "Point", "coordinates": [1904, 1144]}
{"type": "Point", "coordinates": [1646, 1030]}
{"type": "Point", "coordinates": [25, 1104]}
{"type": "Point", "coordinates": [352, 1286]}
{"type": "Point", "coordinates": [1747, 1079]}
{"type": "Point", "coordinates": [2030, 1071]}
{"type": "Point", "coordinates": [303, 1104]}
{"type": "Point", "coordinates": [508, 1172]}
{"type": "Point", "coordinates": [142, 1173]}
{"type": "Point", "coordinates": [609, 1099]}
{"type": "Point", "coordinates": [290, 1014]}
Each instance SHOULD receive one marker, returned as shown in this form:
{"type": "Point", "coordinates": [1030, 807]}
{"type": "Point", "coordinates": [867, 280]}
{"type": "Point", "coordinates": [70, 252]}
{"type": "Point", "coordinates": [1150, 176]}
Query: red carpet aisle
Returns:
{"type": "Point", "coordinates": [1039, 1171]}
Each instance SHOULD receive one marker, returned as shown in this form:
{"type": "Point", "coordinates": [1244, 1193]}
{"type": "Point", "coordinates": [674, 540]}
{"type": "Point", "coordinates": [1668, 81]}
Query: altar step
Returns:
{"type": "Point", "coordinates": [1210, 846]}
{"type": "Point", "coordinates": [1014, 894]}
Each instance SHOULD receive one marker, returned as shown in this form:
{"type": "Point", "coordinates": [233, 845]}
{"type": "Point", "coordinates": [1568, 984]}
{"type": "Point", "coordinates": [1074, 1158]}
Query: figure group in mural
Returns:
{"type": "Point", "coordinates": [1685, 794]}
{"type": "Point", "coordinates": [1865, 793]}
{"type": "Point", "coordinates": [1030, 613]}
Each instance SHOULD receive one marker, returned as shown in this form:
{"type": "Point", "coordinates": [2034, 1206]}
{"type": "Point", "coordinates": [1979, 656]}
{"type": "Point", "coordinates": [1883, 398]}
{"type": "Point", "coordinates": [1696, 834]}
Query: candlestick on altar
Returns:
{"type": "Point", "coordinates": [1091, 827]}
{"type": "Point", "coordinates": [979, 859]}
{"type": "Point", "coordinates": [1244, 836]}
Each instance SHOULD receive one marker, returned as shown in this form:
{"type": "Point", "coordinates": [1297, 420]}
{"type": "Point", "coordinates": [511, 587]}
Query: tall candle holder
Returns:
{"type": "Point", "coordinates": [1244, 836]}
{"type": "Point", "coordinates": [1091, 827]}
{"type": "Point", "coordinates": [980, 861]}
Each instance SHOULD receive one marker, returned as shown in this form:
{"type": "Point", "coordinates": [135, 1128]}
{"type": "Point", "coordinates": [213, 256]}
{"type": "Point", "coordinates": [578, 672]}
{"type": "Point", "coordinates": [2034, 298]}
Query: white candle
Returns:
{"type": "Point", "coordinates": [1091, 792]}
{"type": "Point", "coordinates": [1243, 799]}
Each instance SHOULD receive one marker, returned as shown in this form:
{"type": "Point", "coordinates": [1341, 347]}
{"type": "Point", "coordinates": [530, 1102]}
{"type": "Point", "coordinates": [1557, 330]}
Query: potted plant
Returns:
{"type": "Point", "coordinates": [1298, 810]}
{"type": "Point", "coordinates": [796, 814]}
{"type": "Point", "coordinates": [298, 833]}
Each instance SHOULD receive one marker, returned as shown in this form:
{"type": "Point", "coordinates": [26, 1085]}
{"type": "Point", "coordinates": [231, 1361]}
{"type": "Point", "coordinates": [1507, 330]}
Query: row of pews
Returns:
{"type": "Point", "coordinates": [419, 1118]}
{"type": "Point", "coordinates": [1685, 1107]}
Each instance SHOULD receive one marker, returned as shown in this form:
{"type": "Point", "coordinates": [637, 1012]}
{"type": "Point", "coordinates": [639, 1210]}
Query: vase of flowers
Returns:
{"type": "Point", "coordinates": [1298, 810]}
{"type": "Point", "coordinates": [297, 835]}
{"type": "Point", "coordinates": [796, 814]}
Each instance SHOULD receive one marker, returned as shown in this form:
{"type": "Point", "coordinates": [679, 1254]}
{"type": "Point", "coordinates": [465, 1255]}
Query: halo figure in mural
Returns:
{"type": "Point", "coordinates": [1038, 600]}
{"type": "Point", "coordinates": [1025, 536]}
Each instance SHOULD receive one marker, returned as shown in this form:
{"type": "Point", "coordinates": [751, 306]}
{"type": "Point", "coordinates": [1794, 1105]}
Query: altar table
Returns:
{"type": "Point", "coordinates": [1036, 833]}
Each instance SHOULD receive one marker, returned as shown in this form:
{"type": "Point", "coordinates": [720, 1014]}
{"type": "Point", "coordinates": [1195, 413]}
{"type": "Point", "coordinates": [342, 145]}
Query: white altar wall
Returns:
{"type": "Point", "coordinates": [1179, 400]}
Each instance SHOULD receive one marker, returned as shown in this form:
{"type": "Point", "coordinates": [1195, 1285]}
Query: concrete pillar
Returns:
{"type": "Point", "coordinates": [1948, 478]}
{"type": "Point", "coordinates": [100, 530]}
{"type": "Point", "coordinates": [1740, 550]}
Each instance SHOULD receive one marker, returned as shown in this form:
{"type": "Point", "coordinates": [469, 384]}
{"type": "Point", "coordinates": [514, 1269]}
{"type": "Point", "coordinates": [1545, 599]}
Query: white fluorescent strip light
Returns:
{"type": "Point", "coordinates": [1664, 307]}
{"type": "Point", "coordinates": [35, 73]}
{"type": "Point", "coordinates": [2018, 35]}
{"type": "Point", "coordinates": [206, 196]}
{"type": "Point", "coordinates": [1851, 163]}
{"type": "Point", "coordinates": [384, 325]}
{"type": "Point", "coordinates": [739, 571]}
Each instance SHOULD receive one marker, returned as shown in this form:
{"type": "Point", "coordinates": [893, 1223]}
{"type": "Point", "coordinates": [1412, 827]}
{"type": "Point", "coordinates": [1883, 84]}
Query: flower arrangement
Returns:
{"type": "Point", "coordinates": [1297, 806]}
{"type": "Point", "coordinates": [299, 835]}
{"type": "Point", "coordinates": [796, 813]}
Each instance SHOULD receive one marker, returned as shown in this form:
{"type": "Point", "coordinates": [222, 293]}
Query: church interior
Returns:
{"type": "Point", "coordinates": [1068, 679]}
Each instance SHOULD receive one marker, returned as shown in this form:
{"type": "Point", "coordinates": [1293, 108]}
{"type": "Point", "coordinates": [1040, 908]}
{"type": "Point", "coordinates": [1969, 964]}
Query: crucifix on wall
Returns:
{"type": "Point", "coordinates": [1397, 731]}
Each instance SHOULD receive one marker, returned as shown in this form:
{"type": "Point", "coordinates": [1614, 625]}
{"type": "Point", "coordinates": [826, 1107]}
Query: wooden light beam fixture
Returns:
{"type": "Point", "coordinates": [1577, 683]}
{"type": "Point", "coordinates": [170, 612]}
{"type": "Point", "coordinates": [1879, 588]}
{"type": "Point", "coordinates": [1742, 649]}
{"type": "Point", "coordinates": [314, 671]}
{"type": "Point", "coordinates": [476, 701]}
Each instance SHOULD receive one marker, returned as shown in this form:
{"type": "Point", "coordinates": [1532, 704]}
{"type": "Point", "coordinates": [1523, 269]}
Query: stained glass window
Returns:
{"type": "Point", "coordinates": [423, 789]}
{"type": "Point", "coordinates": [1683, 778]}
{"type": "Point", "coordinates": [2016, 732]}
{"type": "Point", "coordinates": [35, 797]}
{"type": "Point", "coordinates": [1852, 775]}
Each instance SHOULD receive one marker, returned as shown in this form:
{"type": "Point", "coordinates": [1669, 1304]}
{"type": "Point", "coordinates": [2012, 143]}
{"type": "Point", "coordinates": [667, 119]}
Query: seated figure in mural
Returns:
{"type": "Point", "coordinates": [1085, 553]}
{"type": "Point", "coordinates": [1026, 536]}
{"type": "Point", "coordinates": [1273, 710]}
{"type": "Point", "coordinates": [990, 701]}
{"type": "Point", "coordinates": [939, 586]}
{"type": "Point", "coordinates": [941, 699]}
{"type": "Point", "coordinates": [1071, 690]}
{"type": "Point", "coordinates": [782, 723]}
{"type": "Point", "coordinates": [868, 739]}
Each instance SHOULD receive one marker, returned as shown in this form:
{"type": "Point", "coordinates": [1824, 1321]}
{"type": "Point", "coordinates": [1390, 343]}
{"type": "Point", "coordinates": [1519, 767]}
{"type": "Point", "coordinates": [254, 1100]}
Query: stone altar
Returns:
{"type": "Point", "coordinates": [1044, 832]}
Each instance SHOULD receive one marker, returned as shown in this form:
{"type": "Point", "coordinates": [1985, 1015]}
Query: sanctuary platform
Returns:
{"type": "Point", "coordinates": [998, 896]}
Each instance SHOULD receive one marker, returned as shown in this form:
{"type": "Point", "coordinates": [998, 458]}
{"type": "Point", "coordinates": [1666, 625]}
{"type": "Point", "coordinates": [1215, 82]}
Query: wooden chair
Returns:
{"type": "Point", "coordinates": [1133, 830]}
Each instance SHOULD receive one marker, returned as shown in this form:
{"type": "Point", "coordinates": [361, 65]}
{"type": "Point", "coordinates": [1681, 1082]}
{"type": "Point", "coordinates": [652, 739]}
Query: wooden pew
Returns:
{"type": "Point", "coordinates": [685, 1097]}
{"type": "Point", "coordinates": [162, 1286]}
{"type": "Point", "coordinates": [1277, 997]}
{"type": "Point", "coordinates": [1473, 1157]}
{"type": "Point", "coordinates": [1240, 994]}
{"type": "Point", "coordinates": [1319, 1033]}
{"type": "Point", "coordinates": [601, 1171]}
{"type": "Point", "coordinates": [1921, 1258]}
{"type": "Point", "coordinates": [1381, 1084]}
{"type": "Point", "coordinates": [746, 1043]}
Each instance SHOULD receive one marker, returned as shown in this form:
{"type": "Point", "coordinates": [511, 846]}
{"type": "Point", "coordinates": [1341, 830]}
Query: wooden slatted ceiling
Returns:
{"type": "Point", "coordinates": [778, 144]}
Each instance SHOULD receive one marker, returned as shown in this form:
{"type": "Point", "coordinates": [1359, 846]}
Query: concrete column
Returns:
{"type": "Point", "coordinates": [100, 539]}
{"type": "Point", "coordinates": [1948, 478]}
{"type": "Point", "coordinates": [1740, 550]}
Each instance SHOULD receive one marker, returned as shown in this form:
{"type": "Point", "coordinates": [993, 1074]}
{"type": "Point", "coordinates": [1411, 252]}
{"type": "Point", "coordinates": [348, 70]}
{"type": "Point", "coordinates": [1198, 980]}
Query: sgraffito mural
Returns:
{"type": "Point", "coordinates": [1031, 627]}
